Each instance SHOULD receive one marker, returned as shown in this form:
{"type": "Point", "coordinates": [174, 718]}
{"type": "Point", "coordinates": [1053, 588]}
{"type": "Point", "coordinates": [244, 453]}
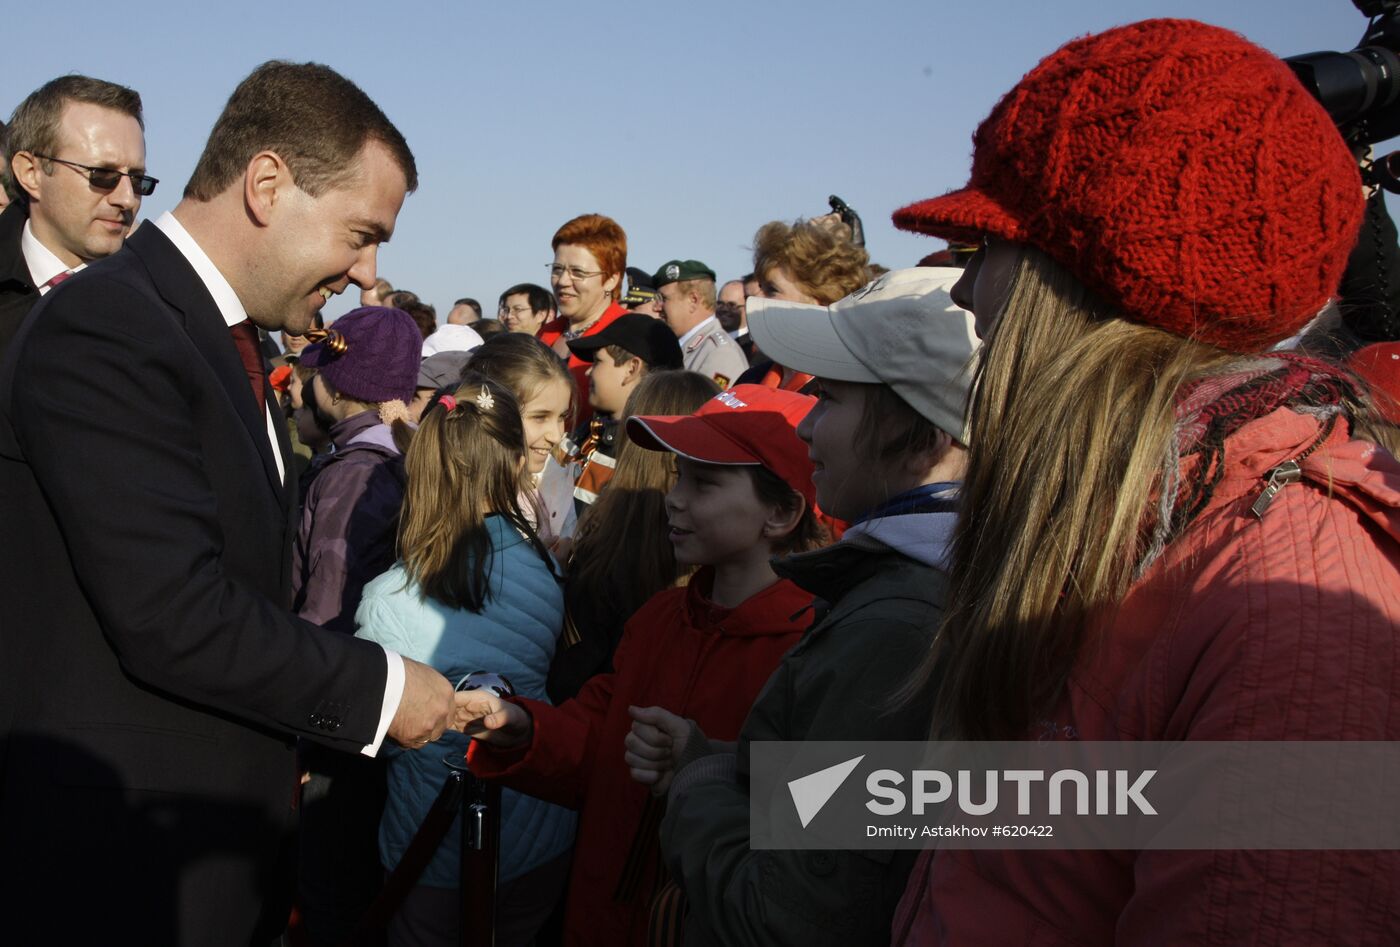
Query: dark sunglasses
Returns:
{"type": "Point", "coordinates": [107, 179]}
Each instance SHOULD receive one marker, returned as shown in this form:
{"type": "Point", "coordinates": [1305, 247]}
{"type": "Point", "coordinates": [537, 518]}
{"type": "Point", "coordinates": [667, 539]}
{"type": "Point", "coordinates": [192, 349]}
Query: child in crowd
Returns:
{"type": "Point", "coordinates": [474, 588]}
{"type": "Point", "coordinates": [618, 357]}
{"type": "Point", "coordinates": [622, 554]}
{"type": "Point", "coordinates": [743, 495]}
{"type": "Point", "coordinates": [364, 379]}
{"type": "Point", "coordinates": [363, 374]}
{"type": "Point", "coordinates": [1170, 532]}
{"type": "Point", "coordinates": [887, 439]}
{"type": "Point", "coordinates": [545, 391]}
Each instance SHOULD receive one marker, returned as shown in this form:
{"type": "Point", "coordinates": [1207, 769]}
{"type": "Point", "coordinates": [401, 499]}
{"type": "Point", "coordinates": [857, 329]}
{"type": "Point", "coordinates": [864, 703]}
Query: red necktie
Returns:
{"type": "Point", "coordinates": [57, 278]}
{"type": "Point", "coordinates": [245, 336]}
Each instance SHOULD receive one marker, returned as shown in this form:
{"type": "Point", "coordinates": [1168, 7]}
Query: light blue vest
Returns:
{"type": "Point", "coordinates": [514, 635]}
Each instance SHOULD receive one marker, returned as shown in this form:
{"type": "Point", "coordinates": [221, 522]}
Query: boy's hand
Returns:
{"type": "Point", "coordinates": [483, 716]}
{"type": "Point", "coordinates": [654, 745]}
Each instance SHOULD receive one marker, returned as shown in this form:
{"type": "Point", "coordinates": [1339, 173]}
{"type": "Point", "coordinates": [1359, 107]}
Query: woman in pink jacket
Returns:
{"type": "Point", "coordinates": [1170, 532]}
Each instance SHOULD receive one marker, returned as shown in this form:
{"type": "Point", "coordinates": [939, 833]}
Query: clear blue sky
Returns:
{"type": "Point", "coordinates": [691, 124]}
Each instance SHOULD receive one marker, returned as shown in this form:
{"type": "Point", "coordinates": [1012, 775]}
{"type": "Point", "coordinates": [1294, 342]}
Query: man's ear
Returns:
{"type": "Point", "coordinates": [25, 169]}
{"type": "Point", "coordinates": [636, 368]}
{"type": "Point", "coordinates": [265, 181]}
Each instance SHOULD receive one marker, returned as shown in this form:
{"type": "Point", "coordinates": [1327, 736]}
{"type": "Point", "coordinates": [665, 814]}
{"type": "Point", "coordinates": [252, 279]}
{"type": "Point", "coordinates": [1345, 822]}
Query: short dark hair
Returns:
{"type": "Point", "coordinates": [809, 533]}
{"type": "Point", "coordinates": [468, 301]}
{"type": "Point", "coordinates": [424, 315]}
{"type": "Point", "coordinates": [34, 124]}
{"type": "Point", "coordinates": [398, 298]}
{"type": "Point", "coordinates": [540, 299]}
{"type": "Point", "coordinates": [622, 356]}
{"type": "Point", "coordinates": [317, 120]}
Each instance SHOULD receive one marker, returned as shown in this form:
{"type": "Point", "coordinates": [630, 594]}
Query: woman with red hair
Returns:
{"type": "Point", "coordinates": [590, 257]}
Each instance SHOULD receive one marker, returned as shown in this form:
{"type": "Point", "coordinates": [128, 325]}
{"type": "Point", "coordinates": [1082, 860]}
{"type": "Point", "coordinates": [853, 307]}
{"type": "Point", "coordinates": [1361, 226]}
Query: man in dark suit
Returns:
{"type": "Point", "coordinates": [151, 679]}
{"type": "Point", "coordinates": [75, 172]}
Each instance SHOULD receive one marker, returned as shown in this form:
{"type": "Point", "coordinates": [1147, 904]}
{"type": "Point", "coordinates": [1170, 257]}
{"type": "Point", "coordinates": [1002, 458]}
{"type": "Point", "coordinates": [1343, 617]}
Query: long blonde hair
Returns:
{"type": "Point", "coordinates": [463, 465]}
{"type": "Point", "coordinates": [1073, 418]}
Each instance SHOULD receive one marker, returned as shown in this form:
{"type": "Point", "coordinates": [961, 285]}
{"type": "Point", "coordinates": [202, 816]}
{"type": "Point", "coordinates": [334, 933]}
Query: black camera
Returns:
{"type": "Point", "coordinates": [1360, 89]}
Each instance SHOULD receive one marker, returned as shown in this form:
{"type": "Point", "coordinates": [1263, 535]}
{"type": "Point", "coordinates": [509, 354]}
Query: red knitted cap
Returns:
{"type": "Point", "coordinates": [1179, 171]}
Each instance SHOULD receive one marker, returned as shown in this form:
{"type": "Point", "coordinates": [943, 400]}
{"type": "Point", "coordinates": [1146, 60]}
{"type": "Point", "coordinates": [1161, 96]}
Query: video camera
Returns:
{"type": "Point", "coordinates": [1360, 89]}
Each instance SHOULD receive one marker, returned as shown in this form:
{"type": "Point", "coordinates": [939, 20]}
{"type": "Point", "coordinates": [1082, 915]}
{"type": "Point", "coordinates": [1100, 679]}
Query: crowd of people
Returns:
{"type": "Point", "coordinates": [1117, 463]}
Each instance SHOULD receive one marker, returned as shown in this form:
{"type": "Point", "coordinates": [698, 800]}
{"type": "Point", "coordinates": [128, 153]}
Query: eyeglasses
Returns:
{"type": "Point", "coordinates": [575, 273]}
{"type": "Point", "coordinates": [107, 179]}
{"type": "Point", "coordinates": [516, 311]}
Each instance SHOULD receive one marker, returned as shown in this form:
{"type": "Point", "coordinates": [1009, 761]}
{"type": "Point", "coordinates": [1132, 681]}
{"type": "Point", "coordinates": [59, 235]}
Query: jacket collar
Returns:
{"type": "Point", "coordinates": [777, 610]}
{"type": "Point", "coordinates": [177, 282]}
{"type": "Point", "coordinates": [832, 571]}
{"type": "Point", "coordinates": [14, 272]}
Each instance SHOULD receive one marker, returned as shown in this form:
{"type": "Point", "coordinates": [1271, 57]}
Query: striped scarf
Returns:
{"type": "Point", "coordinates": [1210, 410]}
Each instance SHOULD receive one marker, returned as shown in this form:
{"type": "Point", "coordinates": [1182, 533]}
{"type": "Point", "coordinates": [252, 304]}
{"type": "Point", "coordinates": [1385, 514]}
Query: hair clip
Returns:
{"type": "Point", "coordinates": [330, 338]}
{"type": "Point", "coordinates": [484, 401]}
{"type": "Point", "coordinates": [448, 402]}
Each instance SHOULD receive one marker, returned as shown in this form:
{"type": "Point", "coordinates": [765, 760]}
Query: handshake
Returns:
{"type": "Point", "coordinates": [430, 707]}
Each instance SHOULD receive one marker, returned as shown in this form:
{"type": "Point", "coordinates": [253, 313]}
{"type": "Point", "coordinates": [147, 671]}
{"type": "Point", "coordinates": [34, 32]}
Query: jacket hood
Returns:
{"type": "Point", "coordinates": [924, 533]}
{"type": "Point", "coordinates": [780, 609]}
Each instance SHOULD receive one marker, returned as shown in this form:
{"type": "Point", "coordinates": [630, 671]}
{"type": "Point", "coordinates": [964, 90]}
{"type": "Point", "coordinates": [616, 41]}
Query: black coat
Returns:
{"type": "Point", "coordinates": [17, 292]}
{"type": "Point", "coordinates": [151, 678]}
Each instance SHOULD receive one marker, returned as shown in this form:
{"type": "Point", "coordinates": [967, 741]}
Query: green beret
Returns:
{"type": "Point", "coordinates": [678, 271]}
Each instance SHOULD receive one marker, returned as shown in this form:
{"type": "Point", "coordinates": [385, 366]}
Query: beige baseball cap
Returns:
{"type": "Point", "coordinates": [902, 330]}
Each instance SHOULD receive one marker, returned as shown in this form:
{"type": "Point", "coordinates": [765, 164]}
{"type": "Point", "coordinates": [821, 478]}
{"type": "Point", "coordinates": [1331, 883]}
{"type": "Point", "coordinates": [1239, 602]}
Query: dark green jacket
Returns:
{"type": "Point", "coordinates": [876, 615]}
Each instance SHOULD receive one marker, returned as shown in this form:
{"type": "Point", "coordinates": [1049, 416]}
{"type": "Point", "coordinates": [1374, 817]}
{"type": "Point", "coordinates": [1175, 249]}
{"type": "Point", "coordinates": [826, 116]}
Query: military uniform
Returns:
{"type": "Point", "coordinates": [711, 352]}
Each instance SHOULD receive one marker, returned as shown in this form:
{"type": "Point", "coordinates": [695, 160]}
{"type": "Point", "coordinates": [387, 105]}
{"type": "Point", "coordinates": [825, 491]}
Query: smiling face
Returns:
{"type": "Point", "coordinates": [77, 221]}
{"type": "Point", "coordinates": [716, 515]}
{"type": "Point", "coordinates": [848, 484]}
{"type": "Point", "coordinates": [316, 247]}
{"type": "Point", "coordinates": [546, 415]}
{"type": "Point", "coordinates": [585, 296]}
{"type": "Point", "coordinates": [517, 316]}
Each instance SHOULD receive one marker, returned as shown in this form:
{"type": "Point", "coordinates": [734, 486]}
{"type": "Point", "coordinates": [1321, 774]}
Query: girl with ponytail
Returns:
{"type": "Point", "coordinates": [473, 588]}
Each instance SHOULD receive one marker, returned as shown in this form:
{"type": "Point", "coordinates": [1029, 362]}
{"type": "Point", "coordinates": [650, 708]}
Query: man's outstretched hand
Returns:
{"type": "Point", "coordinates": [427, 708]}
{"type": "Point", "coordinates": [486, 717]}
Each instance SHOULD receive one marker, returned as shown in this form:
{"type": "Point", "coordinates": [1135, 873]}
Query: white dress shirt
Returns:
{"type": "Point", "coordinates": [231, 308]}
{"type": "Point", "coordinates": [43, 264]}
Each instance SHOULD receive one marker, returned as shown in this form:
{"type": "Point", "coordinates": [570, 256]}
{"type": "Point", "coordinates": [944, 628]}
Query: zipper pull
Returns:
{"type": "Point", "coordinates": [1280, 477]}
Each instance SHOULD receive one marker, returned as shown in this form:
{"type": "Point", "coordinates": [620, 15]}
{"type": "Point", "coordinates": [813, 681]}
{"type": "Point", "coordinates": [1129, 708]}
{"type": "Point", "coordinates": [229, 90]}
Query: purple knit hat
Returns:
{"type": "Point", "coordinates": [379, 352]}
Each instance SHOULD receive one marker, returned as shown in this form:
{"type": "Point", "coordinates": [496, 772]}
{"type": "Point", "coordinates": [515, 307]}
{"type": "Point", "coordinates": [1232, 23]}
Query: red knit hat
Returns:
{"type": "Point", "coordinates": [1379, 365]}
{"type": "Point", "coordinates": [1179, 171]}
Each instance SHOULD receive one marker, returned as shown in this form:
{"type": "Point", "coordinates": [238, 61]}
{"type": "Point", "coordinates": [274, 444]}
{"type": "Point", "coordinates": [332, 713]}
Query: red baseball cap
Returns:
{"type": "Point", "coordinates": [749, 425]}
{"type": "Point", "coordinates": [1379, 366]}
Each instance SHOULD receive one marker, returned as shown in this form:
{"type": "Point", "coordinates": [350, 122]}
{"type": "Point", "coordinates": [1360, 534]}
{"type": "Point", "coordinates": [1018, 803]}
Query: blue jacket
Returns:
{"type": "Point", "coordinates": [514, 635]}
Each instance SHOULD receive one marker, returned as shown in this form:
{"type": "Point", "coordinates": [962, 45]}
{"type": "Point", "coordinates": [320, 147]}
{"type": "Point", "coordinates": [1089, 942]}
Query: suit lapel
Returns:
{"type": "Point", "coordinates": [181, 287]}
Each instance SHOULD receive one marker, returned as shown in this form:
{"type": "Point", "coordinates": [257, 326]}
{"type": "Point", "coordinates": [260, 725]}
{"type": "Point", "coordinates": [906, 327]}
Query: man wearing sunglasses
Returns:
{"type": "Point", "coordinates": [75, 171]}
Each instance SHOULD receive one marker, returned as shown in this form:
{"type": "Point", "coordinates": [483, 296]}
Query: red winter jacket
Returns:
{"type": "Point", "coordinates": [681, 652]}
{"type": "Point", "coordinates": [1280, 628]}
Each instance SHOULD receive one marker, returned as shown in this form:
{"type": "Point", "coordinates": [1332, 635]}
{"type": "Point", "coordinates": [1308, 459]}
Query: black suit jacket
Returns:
{"type": "Point", "coordinates": [151, 678]}
{"type": "Point", "coordinates": [17, 292]}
